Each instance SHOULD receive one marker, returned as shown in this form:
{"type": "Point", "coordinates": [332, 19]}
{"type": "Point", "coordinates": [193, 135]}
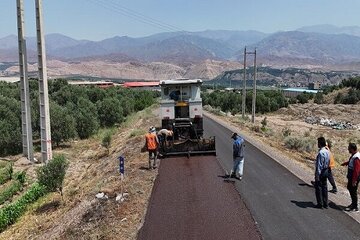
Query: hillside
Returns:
{"type": "Point", "coordinates": [130, 69]}
{"type": "Point", "coordinates": [291, 77]}
{"type": "Point", "coordinates": [313, 46]}
{"type": "Point", "coordinates": [79, 215]}
{"type": "Point", "coordinates": [205, 54]}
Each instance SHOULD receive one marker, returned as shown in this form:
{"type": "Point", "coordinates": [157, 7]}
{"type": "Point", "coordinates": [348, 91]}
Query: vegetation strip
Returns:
{"type": "Point", "coordinates": [6, 173]}
{"type": "Point", "coordinates": [14, 187]}
{"type": "Point", "coordinates": [50, 179]}
{"type": "Point", "coordinates": [10, 213]}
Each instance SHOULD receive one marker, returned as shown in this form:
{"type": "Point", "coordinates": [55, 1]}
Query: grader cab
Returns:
{"type": "Point", "coordinates": [181, 112]}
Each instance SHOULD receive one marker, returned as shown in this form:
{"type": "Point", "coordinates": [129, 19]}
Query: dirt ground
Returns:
{"type": "Point", "coordinates": [79, 215]}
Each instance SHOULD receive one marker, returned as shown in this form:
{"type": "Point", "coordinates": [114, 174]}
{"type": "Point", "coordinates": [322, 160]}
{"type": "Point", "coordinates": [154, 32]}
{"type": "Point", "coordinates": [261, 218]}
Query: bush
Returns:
{"type": "Point", "coordinates": [51, 175]}
{"type": "Point", "coordinates": [6, 173]}
{"type": "Point", "coordinates": [256, 128]}
{"type": "Point", "coordinates": [300, 144]}
{"type": "Point", "coordinates": [106, 141]}
{"type": "Point", "coordinates": [20, 176]}
{"type": "Point", "coordinates": [319, 98]}
{"type": "Point", "coordinates": [10, 213]}
{"type": "Point", "coordinates": [286, 132]}
{"type": "Point", "coordinates": [9, 191]}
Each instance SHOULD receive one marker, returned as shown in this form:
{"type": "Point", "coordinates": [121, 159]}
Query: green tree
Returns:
{"type": "Point", "coordinates": [106, 141]}
{"type": "Point", "coordinates": [86, 117]}
{"type": "Point", "coordinates": [109, 111]}
{"type": "Point", "coordinates": [319, 98]}
{"type": "Point", "coordinates": [303, 97]}
{"type": "Point", "coordinates": [63, 126]}
{"type": "Point", "coordinates": [53, 173]}
{"type": "Point", "coordinates": [10, 126]}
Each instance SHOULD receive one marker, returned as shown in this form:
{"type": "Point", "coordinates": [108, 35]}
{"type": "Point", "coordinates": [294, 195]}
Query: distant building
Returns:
{"type": "Point", "coordinates": [10, 79]}
{"type": "Point", "coordinates": [100, 84]}
{"type": "Point", "coordinates": [143, 85]}
{"type": "Point", "coordinates": [314, 86]}
{"type": "Point", "coordinates": [294, 92]}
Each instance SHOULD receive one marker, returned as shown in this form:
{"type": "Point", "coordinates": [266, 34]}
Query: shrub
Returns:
{"type": "Point", "coordinates": [10, 190]}
{"type": "Point", "coordinates": [319, 98]}
{"type": "Point", "coordinates": [286, 132]}
{"type": "Point", "coordinates": [256, 128]}
{"type": "Point", "coordinates": [137, 132]}
{"type": "Point", "coordinates": [10, 213]}
{"type": "Point", "coordinates": [51, 175]}
{"type": "Point", "coordinates": [6, 173]}
{"type": "Point", "coordinates": [20, 176]}
{"type": "Point", "coordinates": [106, 141]}
{"type": "Point", "coordinates": [300, 144]}
{"type": "Point", "coordinates": [264, 122]}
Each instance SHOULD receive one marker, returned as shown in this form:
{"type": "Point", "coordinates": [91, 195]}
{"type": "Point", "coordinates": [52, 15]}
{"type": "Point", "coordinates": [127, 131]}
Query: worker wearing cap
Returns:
{"type": "Point", "coordinates": [238, 156]}
{"type": "Point", "coordinates": [152, 144]}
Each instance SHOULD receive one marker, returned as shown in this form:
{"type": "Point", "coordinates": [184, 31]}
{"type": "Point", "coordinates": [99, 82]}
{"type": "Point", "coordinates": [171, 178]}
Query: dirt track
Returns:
{"type": "Point", "coordinates": [190, 200]}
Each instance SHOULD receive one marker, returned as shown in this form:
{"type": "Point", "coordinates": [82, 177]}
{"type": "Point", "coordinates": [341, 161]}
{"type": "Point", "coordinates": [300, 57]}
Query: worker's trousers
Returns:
{"type": "Point", "coordinates": [238, 166]}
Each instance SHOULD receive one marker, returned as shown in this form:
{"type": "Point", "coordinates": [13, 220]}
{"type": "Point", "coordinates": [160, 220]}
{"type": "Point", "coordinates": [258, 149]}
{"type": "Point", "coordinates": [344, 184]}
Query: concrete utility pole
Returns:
{"type": "Point", "coordinates": [254, 91]}
{"type": "Point", "coordinates": [26, 128]}
{"type": "Point", "coordinates": [254, 87]}
{"type": "Point", "coordinates": [244, 88]}
{"type": "Point", "coordinates": [46, 150]}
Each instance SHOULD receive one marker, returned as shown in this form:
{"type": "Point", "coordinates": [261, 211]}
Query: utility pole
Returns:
{"type": "Point", "coordinates": [254, 86]}
{"type": "Point", "coordinates": [46, 149]}
{"type": "Point", "coordinates": [254, 91]}
{"type": "Point", "coordinates": [27, 141]}
{"type": "Point", "coordinates": [244, 88]}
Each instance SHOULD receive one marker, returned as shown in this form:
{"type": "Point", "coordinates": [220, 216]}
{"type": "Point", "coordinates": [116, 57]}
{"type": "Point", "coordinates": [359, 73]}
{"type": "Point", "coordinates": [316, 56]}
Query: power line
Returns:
{"type": "Point", "coordinates": [147, 17]}
{"type": "Point", "coordinates": [115, 7]}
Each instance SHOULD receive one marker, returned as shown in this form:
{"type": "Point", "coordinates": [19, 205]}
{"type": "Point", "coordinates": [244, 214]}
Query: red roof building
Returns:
{"type": "Point", "coordinates": [141, 84]}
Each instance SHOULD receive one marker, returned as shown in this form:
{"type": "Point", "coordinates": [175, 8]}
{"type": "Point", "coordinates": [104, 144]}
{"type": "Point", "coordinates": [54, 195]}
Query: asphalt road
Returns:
{"type": "Point", "coordinates": [190, 200]}
{"type": "Point", "coordinates": [282, 204]}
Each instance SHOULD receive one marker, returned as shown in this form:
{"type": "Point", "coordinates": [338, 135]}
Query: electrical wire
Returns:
{"type": "Point", "coordinates": [115, 7]}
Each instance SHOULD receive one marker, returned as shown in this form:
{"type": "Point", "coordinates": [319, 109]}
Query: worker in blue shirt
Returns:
{"type": "Point", "coordinates": [238, 156]}
{"type": "Point", "coordinates": [321, 174]}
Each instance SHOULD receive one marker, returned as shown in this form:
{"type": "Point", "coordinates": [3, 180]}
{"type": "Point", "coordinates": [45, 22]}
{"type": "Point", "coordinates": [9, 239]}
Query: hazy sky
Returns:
{"type": "Point", "coordinates": [100, 19]}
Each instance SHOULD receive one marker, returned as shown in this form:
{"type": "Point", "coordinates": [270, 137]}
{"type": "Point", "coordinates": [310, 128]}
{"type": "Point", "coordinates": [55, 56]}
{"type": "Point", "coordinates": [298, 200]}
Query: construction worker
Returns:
{"type": "Point", "coordinates": [353, 176]}
{"type": "Point", "coordinates": [163, 136]}
{"type": "Point", "coordinates": [331, 166]}
{"type": "Point", "coordinates": [238, 156]}
{"type": "Point", "coordinates": [152, 144]}
{"type": "Point", "coordinates": [321, 174]}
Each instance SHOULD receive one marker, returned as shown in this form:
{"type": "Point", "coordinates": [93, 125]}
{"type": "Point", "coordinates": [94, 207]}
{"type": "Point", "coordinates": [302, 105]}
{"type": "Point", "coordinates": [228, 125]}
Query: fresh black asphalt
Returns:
{"type": "Point", "coordinates": [281, 203]}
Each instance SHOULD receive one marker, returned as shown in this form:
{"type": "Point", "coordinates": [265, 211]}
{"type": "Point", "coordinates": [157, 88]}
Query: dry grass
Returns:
{"type": "Point", "coordinates": [79, 215]}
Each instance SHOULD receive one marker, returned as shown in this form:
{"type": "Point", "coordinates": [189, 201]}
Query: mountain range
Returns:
{"type": "Point", "coordinates": [313, 46]}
